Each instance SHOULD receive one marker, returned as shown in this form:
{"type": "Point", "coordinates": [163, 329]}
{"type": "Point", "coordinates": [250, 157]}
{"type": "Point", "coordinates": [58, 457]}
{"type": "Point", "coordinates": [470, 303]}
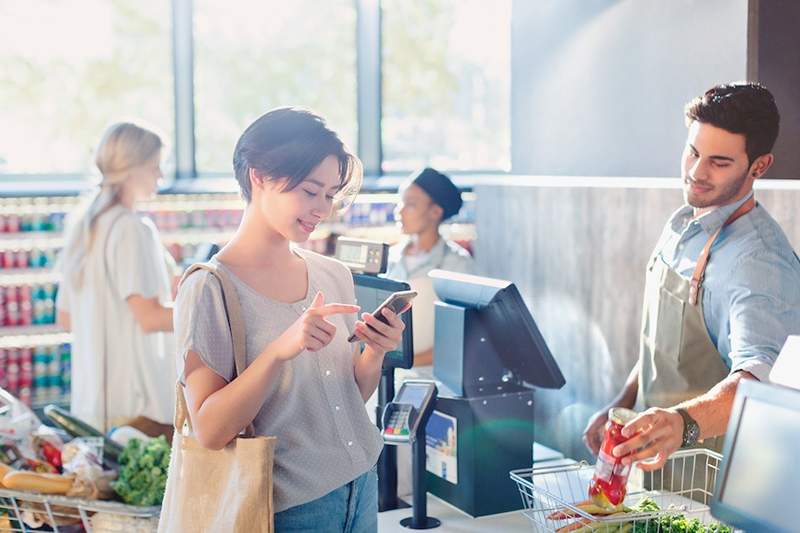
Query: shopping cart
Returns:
{"type": "Point", "coordinates": [683, 487]}
{"type": "Point", "coordinates": [25, 511]}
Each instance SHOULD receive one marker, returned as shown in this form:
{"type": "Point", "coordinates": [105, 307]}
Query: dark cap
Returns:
{"type": "Point", "coordinates": [441, 190]}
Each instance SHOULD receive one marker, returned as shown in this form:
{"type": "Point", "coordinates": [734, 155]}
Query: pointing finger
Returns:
{"type": "Point", "coordinates": [334, 309]}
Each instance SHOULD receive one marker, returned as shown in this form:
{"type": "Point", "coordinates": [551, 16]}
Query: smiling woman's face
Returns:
{"type": "Point", "coordinates": [296, 213]}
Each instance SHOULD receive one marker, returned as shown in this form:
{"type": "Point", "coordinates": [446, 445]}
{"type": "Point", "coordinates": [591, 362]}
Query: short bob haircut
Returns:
{"type": "Point", "coordinates": [287, 143]}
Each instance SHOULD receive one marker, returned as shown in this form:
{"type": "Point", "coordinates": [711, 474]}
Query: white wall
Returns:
{"type": "Point", "coordinates": [598, 86]}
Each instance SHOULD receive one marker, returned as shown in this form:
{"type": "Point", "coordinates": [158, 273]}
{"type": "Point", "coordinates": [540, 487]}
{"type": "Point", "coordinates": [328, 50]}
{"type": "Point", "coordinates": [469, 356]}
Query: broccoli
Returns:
{"type": "Point", "coordinates": [143, 472]}
{"type": "Point", "coordinates": [671, 523]}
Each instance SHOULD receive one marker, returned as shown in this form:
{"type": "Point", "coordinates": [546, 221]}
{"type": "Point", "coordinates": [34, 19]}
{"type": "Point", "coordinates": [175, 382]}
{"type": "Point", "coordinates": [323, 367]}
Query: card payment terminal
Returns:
{"type": "Point", "coordinates": [404, 421]}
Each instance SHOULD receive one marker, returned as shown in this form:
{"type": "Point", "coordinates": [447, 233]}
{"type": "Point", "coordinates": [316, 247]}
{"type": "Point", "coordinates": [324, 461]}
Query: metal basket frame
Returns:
{"type": "Point", "coordinates": [17, 503]}
{"type": "Point", "coordinates": [546, 490]}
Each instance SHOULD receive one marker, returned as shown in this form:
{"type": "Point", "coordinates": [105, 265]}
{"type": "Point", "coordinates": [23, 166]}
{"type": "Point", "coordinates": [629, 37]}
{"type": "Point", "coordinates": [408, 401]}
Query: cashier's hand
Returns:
{"type": "Point", "coordinates": [654, 436]}
{"type": "Point", "coordinates": [380, 337]}
{"type": "Point", "coordinates": [312, 331]}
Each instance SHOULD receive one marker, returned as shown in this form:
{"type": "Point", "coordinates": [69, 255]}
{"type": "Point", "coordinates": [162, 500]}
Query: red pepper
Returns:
{"type": "Point", "coordinates": [51, 454]}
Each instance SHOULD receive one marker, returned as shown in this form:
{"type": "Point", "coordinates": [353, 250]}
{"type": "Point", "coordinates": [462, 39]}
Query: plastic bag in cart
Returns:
{"type": "Point", "coordinates": [17, 423]}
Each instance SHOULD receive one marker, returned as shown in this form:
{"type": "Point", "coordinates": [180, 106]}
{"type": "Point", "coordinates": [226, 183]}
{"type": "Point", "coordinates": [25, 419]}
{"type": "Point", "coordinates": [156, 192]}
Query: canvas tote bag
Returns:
{"type": "Point", "coordinates": [219, 490]}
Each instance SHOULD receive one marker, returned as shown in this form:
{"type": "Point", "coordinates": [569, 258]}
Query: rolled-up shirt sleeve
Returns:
{"type": "Point", "coordinates": [764, 311]}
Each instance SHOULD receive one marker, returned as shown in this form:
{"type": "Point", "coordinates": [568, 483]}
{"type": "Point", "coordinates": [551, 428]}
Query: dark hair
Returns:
{"type": "Point", "coordinates": [288, 143]}
{"type": "Point", "coordinates": [741, 107]}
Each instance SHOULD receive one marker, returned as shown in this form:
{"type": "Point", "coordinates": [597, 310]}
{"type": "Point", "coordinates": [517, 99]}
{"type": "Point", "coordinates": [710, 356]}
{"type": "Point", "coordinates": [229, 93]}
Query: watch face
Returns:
{"type": "Point", "coordinates": [692, 434]}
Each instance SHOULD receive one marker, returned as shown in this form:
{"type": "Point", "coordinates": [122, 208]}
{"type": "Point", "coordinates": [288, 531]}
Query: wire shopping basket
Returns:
{"type": "Point", "coordinates": [25, 512]}
{"type": "Point", "coordinates": [682, 492]}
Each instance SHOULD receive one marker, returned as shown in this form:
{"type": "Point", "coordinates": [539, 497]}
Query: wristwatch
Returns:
{"type": "Point", "coordinates": [691, 430]}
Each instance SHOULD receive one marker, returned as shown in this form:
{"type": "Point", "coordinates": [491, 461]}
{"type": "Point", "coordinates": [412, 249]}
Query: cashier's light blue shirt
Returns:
{"type": "Point", "coordinates": [751, 290]}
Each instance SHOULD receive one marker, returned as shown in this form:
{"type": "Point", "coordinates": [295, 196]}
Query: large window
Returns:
{"type": "Point", "coordinates": [68, 69]}
{"type": "Point", "coordinates": [251, 56]}
{"type": "Point", "coordinates": [446, 84]}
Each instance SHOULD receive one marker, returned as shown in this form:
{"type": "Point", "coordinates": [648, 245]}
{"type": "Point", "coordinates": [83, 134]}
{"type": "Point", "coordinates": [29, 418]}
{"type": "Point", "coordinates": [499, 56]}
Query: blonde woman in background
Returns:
{"type": "Point", "coordinates": [115, 292]}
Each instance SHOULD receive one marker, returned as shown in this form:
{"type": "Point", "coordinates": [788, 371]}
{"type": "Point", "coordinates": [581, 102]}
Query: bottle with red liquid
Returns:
{"type": "Point", "coordinates": [609, 483]}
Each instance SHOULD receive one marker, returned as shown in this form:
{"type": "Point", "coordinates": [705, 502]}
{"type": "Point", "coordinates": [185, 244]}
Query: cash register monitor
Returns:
{"type": "Point", "coordinates": [759, 480]}
{"type": "Point", "coordinates": [500, 312]}
{"type": "Point", "coordinates": [371, 291]}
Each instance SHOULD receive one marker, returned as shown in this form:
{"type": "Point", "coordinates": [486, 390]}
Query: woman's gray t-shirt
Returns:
{"type": "Point", "coordinates": [314, 407]}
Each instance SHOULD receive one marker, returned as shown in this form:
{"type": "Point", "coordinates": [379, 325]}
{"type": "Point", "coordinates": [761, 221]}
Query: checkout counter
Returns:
{"type": "Point", "coordinates": [489, 357]}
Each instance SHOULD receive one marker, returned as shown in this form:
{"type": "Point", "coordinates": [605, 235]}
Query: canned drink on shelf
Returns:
{"type": "Point", "coordinates": [49, 257]}
{"type": "Point", "coordinates": [35, 258]}
{"type": "Point", "coordinates": [182, 219]}
{"type": "Point", "coordinates": [26, 222]}
{"type": "Point", "coordinates": [12, 307]}
{"type": "Point", "coordinates": [12, 223]}
{"type": "Point", "coordinates": [66, 367]}
{"type": "Point", "coordinates": [21, 260]}
{"type": "Point", "coordinates": [25, 306]}
{"type": "Point", "coordinates": [608, 486]}
{"type": "Point", "coordinates": [199, 218]}
{"type": "Point", "coordinates": [26, 368]}
{"type": "Point", "coordinates": [8, 258]}
{"type": "Point", "coordinates": [3, 367]}
{"type": "Point", "coordinates": [12, 377]}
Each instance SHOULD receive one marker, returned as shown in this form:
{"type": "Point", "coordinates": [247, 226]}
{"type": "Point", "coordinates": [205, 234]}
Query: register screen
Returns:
{"type": "Point", "coordinates": [764, 468]}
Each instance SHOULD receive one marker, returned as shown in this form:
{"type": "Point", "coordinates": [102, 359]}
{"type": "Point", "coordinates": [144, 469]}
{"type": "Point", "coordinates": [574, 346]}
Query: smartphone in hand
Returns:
{"type": "Point", "coordinates": [396, 302]}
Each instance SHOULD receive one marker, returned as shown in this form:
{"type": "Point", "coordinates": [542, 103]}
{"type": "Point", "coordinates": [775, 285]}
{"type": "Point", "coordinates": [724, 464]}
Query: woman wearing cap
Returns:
{"type": "Point", "coordinates": [427, 200]}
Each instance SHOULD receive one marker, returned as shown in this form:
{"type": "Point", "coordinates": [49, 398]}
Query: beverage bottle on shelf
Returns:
{"type": "Point", "coordinates": [3, 367]}
{"type": "Point", "coordinates": [2, 307]}
{"type": "Point", "coordinates": [54, 373]}
{"type": "Point", "coordinates": [8, 258]}
{"type": "Point", "coordinates": [12, 307]}
{"type": "Point", "coordinates": [25, 367]}
{"type": "Point", "coordinates": [194, 219]}
{"type": "Point", "coordinates": [49, 257]}
{"type": "Point", "coordinates": [22, 259]}
{"type": "Point", "coordinates": [48, 295]}
{"type": "Point", "coordinates": [25, 306]}
{"type": "Point", "coordinates": [12, 222]}
{"type": "Point", "coordinates": [40, 379]}
{"type": "Point", "coordinates": [26, 222]}
{"type": "Point", "coordinates": [35, 258]}
{"type": "Point", "coordinates": [65, 355]}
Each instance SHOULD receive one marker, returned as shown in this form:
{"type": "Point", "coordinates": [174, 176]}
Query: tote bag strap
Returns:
{"type": "Point", "coordinates": [233, 311]}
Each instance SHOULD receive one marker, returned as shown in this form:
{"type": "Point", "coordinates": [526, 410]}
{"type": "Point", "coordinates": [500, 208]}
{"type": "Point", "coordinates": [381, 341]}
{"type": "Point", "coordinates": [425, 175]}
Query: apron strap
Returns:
{"type": "Point", "coordinates": [702, 261]}
{"type": "Point", "coordinates": [236, 323]}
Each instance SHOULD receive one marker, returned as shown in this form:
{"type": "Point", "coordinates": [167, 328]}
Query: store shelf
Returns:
{"type": "Point", "coordinates": [27, 276]}
{"type": "Point", "coordinates": [196, 236]}
{"type": "Point", "coordinates": [39, 335]}
{"type": "Point", "coordinates": [31, 239]}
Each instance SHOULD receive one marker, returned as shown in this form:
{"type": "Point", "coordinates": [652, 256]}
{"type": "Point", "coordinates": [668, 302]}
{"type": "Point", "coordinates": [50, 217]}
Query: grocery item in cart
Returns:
{"type": "Point", "coordinates": [608, 486]}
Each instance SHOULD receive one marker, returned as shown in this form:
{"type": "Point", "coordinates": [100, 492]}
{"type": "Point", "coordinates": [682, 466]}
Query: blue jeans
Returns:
{"type": "Point", "coordinates": [352, 508]}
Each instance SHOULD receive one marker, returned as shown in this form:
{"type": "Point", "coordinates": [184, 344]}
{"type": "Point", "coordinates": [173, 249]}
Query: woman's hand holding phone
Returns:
{"type": "Point", "coordinates": [383, 329]}
{"type": "Point", "coordinates": [312, 331]}
{"type": "Point", "coordinates": [379, 336]}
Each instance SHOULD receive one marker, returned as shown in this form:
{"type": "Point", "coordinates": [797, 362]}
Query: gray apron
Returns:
{"type": "Point", "coordinates": [677, 359]}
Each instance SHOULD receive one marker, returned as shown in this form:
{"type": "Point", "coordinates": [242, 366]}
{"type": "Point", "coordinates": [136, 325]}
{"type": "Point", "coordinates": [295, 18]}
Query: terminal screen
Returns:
{"type": "Point", "coordinates": [412, 394]}
{"type": "Point", "coordinates": [761, 468]}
